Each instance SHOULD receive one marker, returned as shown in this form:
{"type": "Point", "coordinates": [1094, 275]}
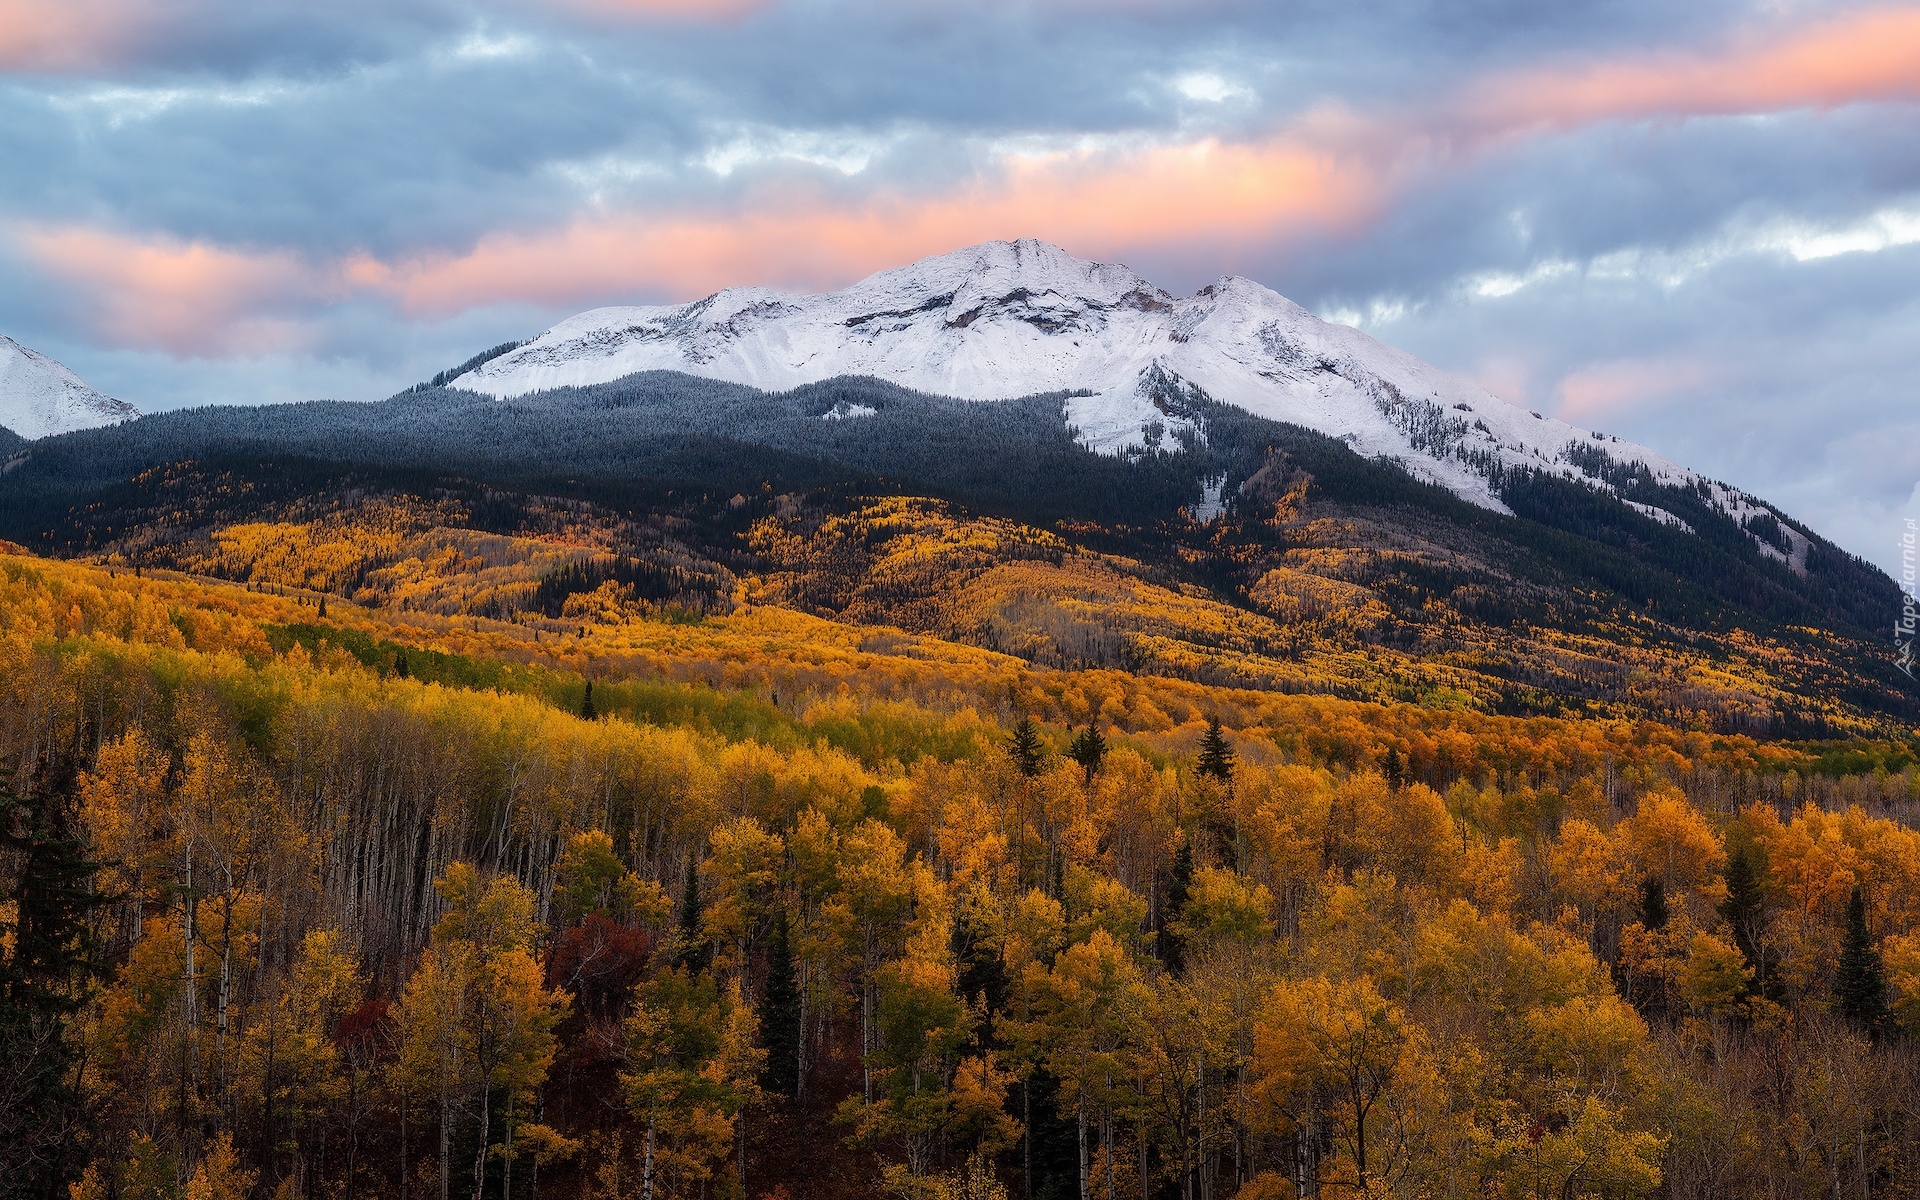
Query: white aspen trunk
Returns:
{"type": "Point", "coordinates": [480, 1155]}
{"type": "Point", "coordinates": [866, 1041]}
{"type": "Point", "coordinates": [1141, 1134]}
{"type": "Point", "coordinates": [1080, 1115]}
{"type": "Point", "coordinates": [646, 1171]}
{"type": "Point", "coordinates": [445, 1118]}
{"type": "Point", "coordinates": [226, 990]}
{"type": "Point", "coordinates": [1026, 1131]}
{"type": "Point", "coordinates": [1106, 1141]}
{"type": "Point", "coordinates": [506, 1171]}
{"type": "Point", "coordinates": [193, 1016]}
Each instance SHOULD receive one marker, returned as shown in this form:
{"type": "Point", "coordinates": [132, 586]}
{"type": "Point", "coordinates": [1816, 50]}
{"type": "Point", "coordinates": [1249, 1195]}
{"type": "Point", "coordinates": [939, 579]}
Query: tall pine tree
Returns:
{"type": "Point", "coordinates": [1168, 944]}
{"type": "Point", "coordinates": [587, 712]}
{"type": "Point", "coordinates": [47, 975]}
{"type": "Point", "coordinates": [780, 1011]}
{"type": "Point", "coordinates": [1024, 747]}
{"type": "Point", "coordinates": [1745, 909]}
{"type": "Point", "coordinates": [691, 950]}
{"type": "Point", "coordinates": [1089, 749]}
{"type": "Point", "coordinates": [1860, 985]}
{"type": "Point", "coordinates": [1216, 757]}
{"type": "Point", "coordinates": [1653, 904]}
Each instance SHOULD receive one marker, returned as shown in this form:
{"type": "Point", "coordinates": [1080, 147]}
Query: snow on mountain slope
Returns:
{"type": "Point", "coordinates": [39, 397]}
{"type": "Point", "coordinates": [1007, 319]}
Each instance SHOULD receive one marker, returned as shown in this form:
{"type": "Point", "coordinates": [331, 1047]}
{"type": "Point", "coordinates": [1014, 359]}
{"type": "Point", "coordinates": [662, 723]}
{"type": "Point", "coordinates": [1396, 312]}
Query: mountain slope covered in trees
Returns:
{"type": "Point", "coordinates": [1303, 565]}
{"type": "Point", "coordinates": [311, 898]}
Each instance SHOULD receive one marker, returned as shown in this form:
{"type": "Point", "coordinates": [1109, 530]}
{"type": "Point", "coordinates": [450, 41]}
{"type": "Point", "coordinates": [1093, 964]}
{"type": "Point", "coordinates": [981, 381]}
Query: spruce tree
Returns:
{"type": "Point", "coordinates": [1394, 771]}
{"type": "Point", "coordinates": [1745, 907]}
{"type": "Point", "coordinates": [1088, 748]}
{"type": "Point", "coordinates": [691, 951]}
{"type": "Point", "coordinates": [586, 703]}
{"type": "Point", "coordinates": [1168, 944]}
{"type": "Point", "coordinates": [1653, 904]}
{"type": "Point", "coordinates": [1024, 747]}
{"type": "Point", "coordinates": [780, 1010]}
{"type": "Point", "coordinates": [1216, 757]}
{"type": "Point", "coordinates": [45, 982]}
{"type": "Point", "coordinates": [1860, 985]}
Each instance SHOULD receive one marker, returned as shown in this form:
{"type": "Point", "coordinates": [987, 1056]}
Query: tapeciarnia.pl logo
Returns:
{"type": "Point", "coordinates": [1904, 627]}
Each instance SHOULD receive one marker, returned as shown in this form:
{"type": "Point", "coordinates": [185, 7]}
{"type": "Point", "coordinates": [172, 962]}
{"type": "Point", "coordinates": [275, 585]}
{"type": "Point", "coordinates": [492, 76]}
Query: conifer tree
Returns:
{"type": "Point", "coordinates": [587, 712]}
{"type": "Point", "coordinates": [1653, 904]}
{"type": "Point", "coordinates": [1216, 757]}
{"type": "Point", "coordinates": [1088, 748]}
{"type": "Point", "coordinates": [1395, 772]}
{"type": "Point", "coordinates": [1745, 907]}
{"type": "Point", "coordinates": [1860, 985]}
{"type": "Point", "coordinates": [780, 1010]}
{"type": "Point", "coordinates": [1024, 748]}
{"type": "Point", "coordinates": [692, 952]}
{"type": "Point", "coordinates": [1168, 944]}
{"type": "Point", "coordinates": [47, 969]}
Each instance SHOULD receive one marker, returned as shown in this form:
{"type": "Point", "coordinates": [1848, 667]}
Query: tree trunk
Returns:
{"type": "Point", "coordinates": [646, 1172]}
{"type": "Point", "coordinates": [406, 1173]}
{"type": "Point", "coordinates": [1026, 1130]}
{"type": "Point", "coordinates": [506, 1170]}
{"type": "Point", "coordinates": [1106, 1141]}
{"type": "Point", "coordinates": [1080, 1116]}
{"type": "Point", "coordinates": [486, 1131]}
{"type": "Point", "coordinates": [866, 1040]}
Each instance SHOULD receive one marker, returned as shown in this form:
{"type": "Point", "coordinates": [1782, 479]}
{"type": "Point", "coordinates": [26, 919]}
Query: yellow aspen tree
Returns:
{"type": "Point", "coordinates": [123, 803]}
{"type": "Point", "coordinates": [674, 1036]}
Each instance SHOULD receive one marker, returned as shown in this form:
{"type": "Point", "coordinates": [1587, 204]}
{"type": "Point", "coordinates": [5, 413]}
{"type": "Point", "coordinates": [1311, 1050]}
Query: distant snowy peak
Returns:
{"type": "Point", "coordinates": [39, 397]}
{"type": "Point", "coordinates": [1008, 319]}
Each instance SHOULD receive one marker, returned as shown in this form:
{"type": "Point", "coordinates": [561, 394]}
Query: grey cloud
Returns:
{"type": "Point", "coordinates": [328, 129]}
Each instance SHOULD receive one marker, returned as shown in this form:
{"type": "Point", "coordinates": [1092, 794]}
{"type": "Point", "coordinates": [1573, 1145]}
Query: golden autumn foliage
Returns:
{"type": "Point", "coordinates": [360, 926]}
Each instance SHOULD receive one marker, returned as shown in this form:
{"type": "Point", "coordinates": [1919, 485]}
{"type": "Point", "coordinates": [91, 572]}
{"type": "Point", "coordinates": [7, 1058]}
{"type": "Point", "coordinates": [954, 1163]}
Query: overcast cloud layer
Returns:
{"type": "Point", "coordinates": [1695, 226]}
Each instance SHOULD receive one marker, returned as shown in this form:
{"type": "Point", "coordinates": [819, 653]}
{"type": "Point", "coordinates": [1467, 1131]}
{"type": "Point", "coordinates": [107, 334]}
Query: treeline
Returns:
{"type": "Point", "coordinates": [281, 926]}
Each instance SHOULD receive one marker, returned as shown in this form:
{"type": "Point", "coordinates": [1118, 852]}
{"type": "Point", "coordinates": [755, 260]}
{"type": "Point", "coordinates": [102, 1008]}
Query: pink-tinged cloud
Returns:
{"type": "Point", "coordinates": [187, 298]}
{"type": "Point", "coordinates": [1600, 390]}
{"type": "Point", "coordinates": [1331, 172]}
{"type": "Point", "coordinates": [63, 35]}
{"type": "Point", "coordinates": [1204, 194]}
{"type": "Point", "coordinates": [1865, 57]}
{"type": "Point", "coordinates": [194, 298]}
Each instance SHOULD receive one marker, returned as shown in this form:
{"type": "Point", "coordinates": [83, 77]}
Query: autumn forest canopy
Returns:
{"type": "Point", "coordinates": [373, 831]}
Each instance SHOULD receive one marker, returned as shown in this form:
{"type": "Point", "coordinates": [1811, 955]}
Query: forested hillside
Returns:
{"type": "Point", "coordinates": [671, 897]}
{"type": "Point", "coordinates": [1242, 552]}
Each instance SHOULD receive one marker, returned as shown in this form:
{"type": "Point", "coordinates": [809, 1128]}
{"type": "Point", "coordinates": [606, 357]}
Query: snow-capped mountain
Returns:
{"type": "Point", "coordinates": [1008, 319]}
{"type": "Point", "coordinates": [39, 397]}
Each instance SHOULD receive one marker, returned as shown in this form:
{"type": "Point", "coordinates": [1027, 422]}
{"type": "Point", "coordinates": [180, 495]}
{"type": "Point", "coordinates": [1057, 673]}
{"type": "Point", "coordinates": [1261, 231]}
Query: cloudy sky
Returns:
{"type": "Point", "coordinates": [1694, 225]}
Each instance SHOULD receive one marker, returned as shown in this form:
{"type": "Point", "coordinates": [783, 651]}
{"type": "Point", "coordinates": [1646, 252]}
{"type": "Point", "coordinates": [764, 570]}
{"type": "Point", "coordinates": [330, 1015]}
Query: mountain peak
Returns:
{"type": "Point", "coordinates": [995, 268]}
{"type": "Point", "coordinates": [40, 397]}
{"type": "Point", "coordinates": [1006, 319]}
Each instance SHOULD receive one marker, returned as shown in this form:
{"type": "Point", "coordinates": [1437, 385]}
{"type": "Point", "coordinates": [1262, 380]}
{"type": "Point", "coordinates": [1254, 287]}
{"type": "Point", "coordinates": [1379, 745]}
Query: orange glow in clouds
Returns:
{"type": "Point", "coordinates": [195, 299]}
{"type": "Point", "coordinates": [37, 35]}
{"type": "Point", "coordinates": [1871, 56]}
{"type": "Point", "coordinates": [1204, 192]}
{"type": "Point", "coordinates": [188, 298]}
{"type": "Point", "coordinates": [1330, 173]}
